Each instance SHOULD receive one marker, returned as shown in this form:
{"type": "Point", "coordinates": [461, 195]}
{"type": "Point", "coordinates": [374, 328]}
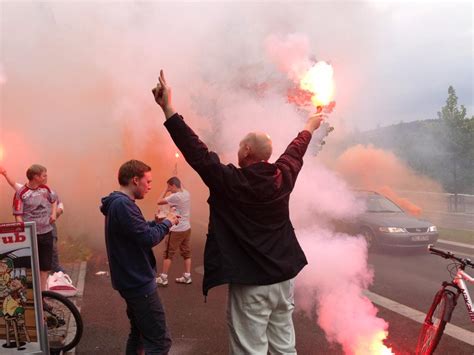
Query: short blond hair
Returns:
{"type": "Point", "coordinates": [34, 170]}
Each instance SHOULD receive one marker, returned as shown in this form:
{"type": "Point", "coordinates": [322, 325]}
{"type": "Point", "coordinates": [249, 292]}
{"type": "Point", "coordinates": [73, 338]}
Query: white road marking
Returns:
{"type": "Point", "coordinates": [464, 245]}
{"type": "Point", "coordinates": [452, 330]}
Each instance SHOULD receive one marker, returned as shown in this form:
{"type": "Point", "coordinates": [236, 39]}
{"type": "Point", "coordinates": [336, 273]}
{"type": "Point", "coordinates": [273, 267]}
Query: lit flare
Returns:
{"type": "Point", "coordinates": [375, 346]}
{"type": "Point", "coordinates": [319, 81]}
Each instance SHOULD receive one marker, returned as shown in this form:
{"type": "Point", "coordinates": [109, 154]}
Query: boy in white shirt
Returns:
{"type": "Point", "coordinates": [180, 234]}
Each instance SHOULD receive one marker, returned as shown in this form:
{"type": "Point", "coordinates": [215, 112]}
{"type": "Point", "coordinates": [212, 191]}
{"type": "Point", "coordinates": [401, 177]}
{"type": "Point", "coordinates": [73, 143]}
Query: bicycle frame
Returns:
{"type": "Point", "coordinates": [458, 282]}
{"type": "Point", "coordinates": [462, 289]}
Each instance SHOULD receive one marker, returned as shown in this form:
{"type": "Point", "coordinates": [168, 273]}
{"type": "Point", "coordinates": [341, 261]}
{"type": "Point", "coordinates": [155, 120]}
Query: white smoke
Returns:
{"type": "Point", "coordinates": [330, 288]}
{"type": "Point", "coordinates": [3, 78]}
{"type": "Point", "coordinates": [290, 53]}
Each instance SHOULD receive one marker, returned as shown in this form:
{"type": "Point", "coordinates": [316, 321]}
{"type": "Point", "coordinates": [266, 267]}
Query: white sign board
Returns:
{"type": "Point", "coordinates": [22, 329]}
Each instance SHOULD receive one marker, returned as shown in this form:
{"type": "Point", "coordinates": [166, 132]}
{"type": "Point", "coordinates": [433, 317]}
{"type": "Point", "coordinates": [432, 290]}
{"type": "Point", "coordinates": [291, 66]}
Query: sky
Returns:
{"type": "Point", "coordinates": [393, 60]}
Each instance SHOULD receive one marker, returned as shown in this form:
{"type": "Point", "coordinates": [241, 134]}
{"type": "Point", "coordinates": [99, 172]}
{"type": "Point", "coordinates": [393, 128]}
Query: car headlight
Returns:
{"type": "Point", "coordinates": [432, 229]}
{"type": "Point", "coordinates": [392, 230]}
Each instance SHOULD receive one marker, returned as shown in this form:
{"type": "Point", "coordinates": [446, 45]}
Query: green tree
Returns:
{"type": "Point", "coordinates": [458, 139]}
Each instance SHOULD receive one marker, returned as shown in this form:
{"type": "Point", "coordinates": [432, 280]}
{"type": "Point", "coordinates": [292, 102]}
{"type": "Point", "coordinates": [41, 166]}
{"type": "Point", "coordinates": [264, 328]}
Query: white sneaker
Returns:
{"type": "Point", "coordinates": [61, 283]}
{"type": "Point", "coordinates": [184, 280]}
{"type": "Point", "coordinates": [161, 281]}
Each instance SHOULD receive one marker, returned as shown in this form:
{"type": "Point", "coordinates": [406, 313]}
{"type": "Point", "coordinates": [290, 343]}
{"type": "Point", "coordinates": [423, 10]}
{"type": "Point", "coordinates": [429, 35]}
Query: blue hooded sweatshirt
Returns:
{"type": "Point", "coordinates": [129, 240]}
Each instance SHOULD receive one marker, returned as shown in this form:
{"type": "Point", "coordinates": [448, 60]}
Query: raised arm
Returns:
{"type": "Point", "coordinates": [162, 200]}
{"type": "Point", "coordinates": [10, 182]}
{"type": "Point", "coordinates": [292, 159]}
{"type": "Point", "coordinates": [205, 162]}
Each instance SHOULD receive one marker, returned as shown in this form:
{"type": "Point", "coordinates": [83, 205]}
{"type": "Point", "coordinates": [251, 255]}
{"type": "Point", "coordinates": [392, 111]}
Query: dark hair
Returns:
{"type": "Point", "coordinates": [130, 169]}
{"type": "Point", "coordinates": [174, 181]}
{"type": "Point", "coordinates": [34, 170]}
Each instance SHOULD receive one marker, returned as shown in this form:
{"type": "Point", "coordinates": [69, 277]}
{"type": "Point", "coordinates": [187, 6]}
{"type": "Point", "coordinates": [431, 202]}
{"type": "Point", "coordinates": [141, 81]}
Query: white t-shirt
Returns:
{"type": "Point", "coordinates": [181, 200]}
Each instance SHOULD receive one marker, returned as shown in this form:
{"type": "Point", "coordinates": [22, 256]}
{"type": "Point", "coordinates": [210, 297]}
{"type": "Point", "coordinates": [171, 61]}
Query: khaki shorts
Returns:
{"type": "Point", "coordinates": [176, 240]}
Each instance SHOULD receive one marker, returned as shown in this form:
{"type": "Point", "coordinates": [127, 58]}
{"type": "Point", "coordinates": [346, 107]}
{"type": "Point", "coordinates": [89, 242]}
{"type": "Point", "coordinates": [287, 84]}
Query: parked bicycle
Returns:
{"type": "Point", "coordinates": [445, 301]}
{"type": "Point", "coordinates": [63, 320]}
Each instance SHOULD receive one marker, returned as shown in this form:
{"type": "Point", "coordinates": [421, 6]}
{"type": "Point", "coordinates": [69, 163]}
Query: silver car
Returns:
{"type": "Point", "coordinates": [384, 223]}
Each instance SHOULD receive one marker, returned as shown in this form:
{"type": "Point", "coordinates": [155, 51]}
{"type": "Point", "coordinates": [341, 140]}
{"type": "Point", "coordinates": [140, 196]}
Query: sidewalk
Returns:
{"type": "Point", "coordinates": [77, 273]}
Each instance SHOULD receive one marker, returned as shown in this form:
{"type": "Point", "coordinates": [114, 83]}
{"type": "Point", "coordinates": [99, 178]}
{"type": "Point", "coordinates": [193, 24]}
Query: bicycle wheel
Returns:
{"type": "Point", "coordinates": [435, 322]}
{"type": "Point", "coordinates": [63, 320]}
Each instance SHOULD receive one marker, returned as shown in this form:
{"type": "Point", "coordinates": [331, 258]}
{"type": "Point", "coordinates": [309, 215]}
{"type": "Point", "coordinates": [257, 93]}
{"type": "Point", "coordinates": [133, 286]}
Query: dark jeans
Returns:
{"type": "Point", "coordinates": [55, 267]}
{"type": "Point", "coordinates": [45, 250]}
{"type": "Point", "coordinates": [148, 330]}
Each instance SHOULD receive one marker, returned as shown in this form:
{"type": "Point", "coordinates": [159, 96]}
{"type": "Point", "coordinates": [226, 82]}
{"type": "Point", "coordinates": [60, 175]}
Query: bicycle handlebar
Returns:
{"type": "Point", "coordinates": [449, 255]}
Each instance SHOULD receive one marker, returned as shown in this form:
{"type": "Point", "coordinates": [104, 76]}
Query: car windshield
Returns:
{"type": "Point", "coordinates": [381, 204]}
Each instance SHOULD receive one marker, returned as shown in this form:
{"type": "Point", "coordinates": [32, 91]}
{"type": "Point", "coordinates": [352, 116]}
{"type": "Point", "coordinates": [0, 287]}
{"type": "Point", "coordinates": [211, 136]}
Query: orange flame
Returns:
{"type": "Point", "coordinates": [375, 346]}
{"type": "Point", "coordinates": [176, 155]}
{"type": "Point", "coordinates": [318, 80]}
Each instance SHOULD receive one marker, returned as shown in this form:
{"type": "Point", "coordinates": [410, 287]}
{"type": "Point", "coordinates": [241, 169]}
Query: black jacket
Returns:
{"type": "Point", "coordinates": [129, 240]}
{"type": "Point", "coordinates": [251, 239]}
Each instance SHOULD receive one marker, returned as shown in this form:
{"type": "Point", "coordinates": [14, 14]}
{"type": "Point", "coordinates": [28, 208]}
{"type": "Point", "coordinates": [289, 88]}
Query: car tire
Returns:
{"type": "Point", "coordinates": [369, 238]}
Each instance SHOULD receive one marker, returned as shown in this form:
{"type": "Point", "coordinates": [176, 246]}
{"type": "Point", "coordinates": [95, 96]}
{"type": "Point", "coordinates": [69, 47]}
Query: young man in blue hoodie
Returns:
{"type": "Point", "coordinates": [129, 239]}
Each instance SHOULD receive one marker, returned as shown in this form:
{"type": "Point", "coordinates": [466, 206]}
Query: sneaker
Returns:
{"type": "Point", "coordinates": [161, 281]}
{"type": "Point", "coordinates": [61, 283]}
{"type": "Point", "coordinates": [184, 280]}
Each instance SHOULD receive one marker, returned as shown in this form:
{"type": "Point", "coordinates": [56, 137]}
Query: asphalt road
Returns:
{"type": "Point", "coordinates": [200, 328]}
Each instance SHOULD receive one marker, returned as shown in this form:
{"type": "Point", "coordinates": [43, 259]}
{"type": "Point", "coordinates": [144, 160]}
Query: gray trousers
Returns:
{"type": "Point", "coordinates": [260, 319]}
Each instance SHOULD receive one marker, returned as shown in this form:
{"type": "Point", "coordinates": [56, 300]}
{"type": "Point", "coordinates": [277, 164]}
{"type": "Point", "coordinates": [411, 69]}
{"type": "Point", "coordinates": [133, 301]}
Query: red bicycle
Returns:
{"type": "Point", "coordinates": [445, 301]}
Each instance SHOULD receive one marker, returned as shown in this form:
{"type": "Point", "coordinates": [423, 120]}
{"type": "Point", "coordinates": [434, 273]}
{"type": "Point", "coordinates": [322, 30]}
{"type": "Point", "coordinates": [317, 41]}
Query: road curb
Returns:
{"type": "Point", "coordinates": [81, 281]}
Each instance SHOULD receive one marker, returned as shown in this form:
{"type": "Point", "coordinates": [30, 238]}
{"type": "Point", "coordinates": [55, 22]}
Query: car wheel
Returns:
{"type": "Point", "coordinates": [369, 237]}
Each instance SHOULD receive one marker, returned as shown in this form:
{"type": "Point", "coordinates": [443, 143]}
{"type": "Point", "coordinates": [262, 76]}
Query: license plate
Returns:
{"type": "Point", "coordinates": [420, 238]}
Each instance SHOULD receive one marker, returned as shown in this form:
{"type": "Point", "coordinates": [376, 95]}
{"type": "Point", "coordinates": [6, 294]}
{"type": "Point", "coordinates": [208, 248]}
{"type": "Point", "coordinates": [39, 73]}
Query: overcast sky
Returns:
{"type": "Point", "coordinates": [393, 61]}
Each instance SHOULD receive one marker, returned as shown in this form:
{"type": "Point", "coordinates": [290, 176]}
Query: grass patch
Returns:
{"type": "Point", "coordinates": [456, 235]}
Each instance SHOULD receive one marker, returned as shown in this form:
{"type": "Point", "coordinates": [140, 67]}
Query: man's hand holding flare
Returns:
{"type": "Point", "coordinates": [314, 121]}
{"type": "Point", "coordinates": [162, 94]}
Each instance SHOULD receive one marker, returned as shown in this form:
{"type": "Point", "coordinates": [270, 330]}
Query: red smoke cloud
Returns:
{"type": "Point", "coordinates": [371, 168]}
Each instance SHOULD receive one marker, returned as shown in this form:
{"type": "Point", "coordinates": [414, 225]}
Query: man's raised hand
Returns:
{"type": "Point", "coordinates": [314, 121]}
{"type": "Point", "coordinates": [162, 95]}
